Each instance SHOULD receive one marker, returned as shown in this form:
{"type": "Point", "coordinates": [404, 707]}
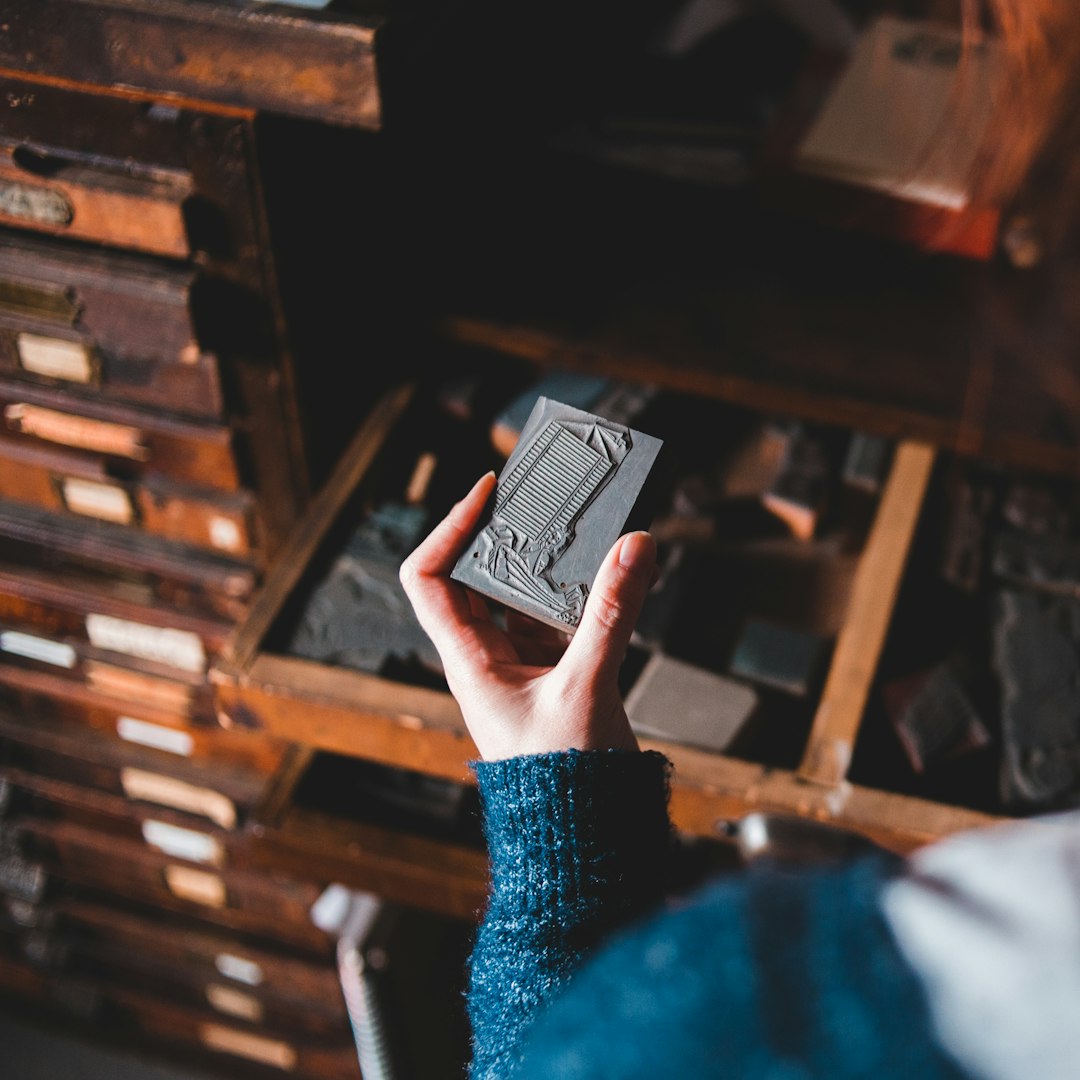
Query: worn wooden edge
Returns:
{"type": "Point", "coordinates": [707, 376]}
{"type": "Point", "coordinates": [233, 59]}
{"type": "Point", "coordinates": [839, 713]}
{"type": "Point", "coordinates": [348, 713]}
{"type": "Point", "coordinates": [710, 790]}
{"type": "Point", "coordinates": [422, 730]}
{"type": "Point", "coordinates": [298, 549]}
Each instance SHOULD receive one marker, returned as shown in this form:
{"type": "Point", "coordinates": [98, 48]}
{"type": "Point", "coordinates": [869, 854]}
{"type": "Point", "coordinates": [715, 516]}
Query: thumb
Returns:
{"type": "Point", "coordinates": [612, 608]}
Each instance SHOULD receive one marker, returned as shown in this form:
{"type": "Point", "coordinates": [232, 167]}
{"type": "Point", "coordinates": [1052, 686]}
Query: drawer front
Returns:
{"type": "Point", "coordinates": [68, 753]}
{"type": "Point", "coordinates": [177, 834]}
{"type": "Point", "coordinates": [142, 970]}
{"type": "Point", "coordinates": [61, 192]}
{"type": "Point", "coordinates": [206, 958]}
{"type": "Point", "coordinates": [138, 723]}
{"type": "Point", "coordinates": [126, 441]}
{"type": "Point", "coordinates": [104, 616]}
{"type": "Point", "coordinates": [34, 662]}
{"type": "Point", "coordinates": [106, 323]}
{"type": "Point", "coordinates": [54, 979]}
{"type": "Point", "coordinates": [240, 900]}
{"type": "Point", "coordinates": [163, 572]}
{"type": "Point", "coordinates": [90, 337]}
{"type": "Point", "coordinates": [58, 480]}
{"type": "Point", "coordinates": [40, 352]}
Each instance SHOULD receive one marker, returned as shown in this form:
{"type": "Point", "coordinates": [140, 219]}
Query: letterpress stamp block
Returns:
{"type": "Point", "coordinates": [572, 486]}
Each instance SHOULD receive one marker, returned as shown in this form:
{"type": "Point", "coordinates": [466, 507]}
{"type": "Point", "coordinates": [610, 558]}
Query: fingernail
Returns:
{"type": "Point", "coordinates": [638, 552]}
{"type": "Point", "coordinates": [489, 475]}
{"type": "Point", "coordinates": [486, 476]}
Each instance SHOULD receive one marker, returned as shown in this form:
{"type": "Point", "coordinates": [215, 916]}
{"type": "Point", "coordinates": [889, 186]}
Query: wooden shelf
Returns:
{"type": "Point", "coordinates": [738, 300]}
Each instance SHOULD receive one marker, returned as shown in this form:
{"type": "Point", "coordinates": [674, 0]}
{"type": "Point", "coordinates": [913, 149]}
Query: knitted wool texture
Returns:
{"type": "Point", "coordinates": [578, 844]}
{"type": "Point", "coordinates": [768, 975]}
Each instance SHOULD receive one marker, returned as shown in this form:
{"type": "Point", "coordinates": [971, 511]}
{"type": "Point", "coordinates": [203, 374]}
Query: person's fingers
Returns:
{"type": "Point", "coordinates": [611, 610]}
{"type": "Point", "coordinates": [442, 608]}
{"type": "Point", "coordinates": [439, 551]}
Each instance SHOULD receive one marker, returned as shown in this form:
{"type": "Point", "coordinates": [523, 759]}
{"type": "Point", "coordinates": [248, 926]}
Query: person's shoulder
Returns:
{"type": "Point", "coordinates": [990, 921]}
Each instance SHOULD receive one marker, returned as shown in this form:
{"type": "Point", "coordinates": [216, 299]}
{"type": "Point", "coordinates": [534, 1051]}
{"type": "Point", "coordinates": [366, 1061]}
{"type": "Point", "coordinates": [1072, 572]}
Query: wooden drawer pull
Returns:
{"type": "Point", "coordinates": [233, 1002]}
{"type": "Point", "coordinates": [196, 886]}
{"type": "Point", "coordinates": [100, 436]}
{"type": "Point", "coordinates": [254, 1047]}
{"type": "Point", "coordinates": [180, 795]}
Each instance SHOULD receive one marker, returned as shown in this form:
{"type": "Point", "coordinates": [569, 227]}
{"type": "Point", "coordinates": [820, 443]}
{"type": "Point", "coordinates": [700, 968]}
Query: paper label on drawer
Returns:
{"type": "Point", "coordinates": [180, 795]}
{"type": "Point", "coordinates": [183, 843]}
{"type": "Point", "coordinates": [233, 1002]}
{"type": "Point", "coordinates": [178, 648]}
{"type": "Point", "coordinates": [107, 502]}
{"type": "Point", "coordinates": [198, 886]}
{"type": "Point", "coordinates": [254, 1047]}
{"type": "Point", "coordinates": [41, 205]}
{"type": "Point", "coordinates": [155, 736]}
{"type": "Point", "coordinates": [55, 358]}
{"type": "Point", "coordinates": [224, 534]}
{"type": "Point", "coordinates": [239, 969]}
{"type": "Point", "coordinates": [36, 648]}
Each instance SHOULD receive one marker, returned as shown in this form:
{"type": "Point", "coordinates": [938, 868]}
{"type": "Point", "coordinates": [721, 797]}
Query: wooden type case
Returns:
{"type": "Point", "coordinates": [351, 713]}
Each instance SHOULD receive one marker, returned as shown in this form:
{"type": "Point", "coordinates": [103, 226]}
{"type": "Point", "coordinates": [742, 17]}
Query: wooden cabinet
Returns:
{"type": "Point", "coordinates": [159, 449]}
{"type": "Point", "coordinates": [211, 271]}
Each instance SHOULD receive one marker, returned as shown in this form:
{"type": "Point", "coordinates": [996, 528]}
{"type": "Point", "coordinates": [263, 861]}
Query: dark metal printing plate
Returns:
{"type": "Point", "coordinates": [572, 486]}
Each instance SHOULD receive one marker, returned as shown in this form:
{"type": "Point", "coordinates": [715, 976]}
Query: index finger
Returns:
{"type": "Point", "coordinates": [442, 607]}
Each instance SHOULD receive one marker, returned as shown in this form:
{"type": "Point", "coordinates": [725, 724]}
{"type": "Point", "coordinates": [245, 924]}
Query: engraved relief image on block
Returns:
{"type": "Point", "coordinates": [561, 501]}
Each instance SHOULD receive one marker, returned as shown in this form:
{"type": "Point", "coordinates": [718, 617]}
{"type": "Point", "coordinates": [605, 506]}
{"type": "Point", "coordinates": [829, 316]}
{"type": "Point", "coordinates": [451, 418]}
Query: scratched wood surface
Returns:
{"type": "Point", "coordinates": [238, 56]}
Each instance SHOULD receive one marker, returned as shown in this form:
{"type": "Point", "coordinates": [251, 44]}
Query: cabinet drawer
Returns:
{"type": "Point", "coordinates": [128, 442]}
{"type": "Point", "coordinates": [106, 324]}
{"type": "Point", "coordinates": [142, 971]}
{"type": "Point", "coordinates": [793, 756]}
{"type": "Point", "coordinates": [132, 714]}
{"type": "Point", "coordinates": [34, 659]}
{"type": "Point", "coordinates": [58, 191]}
{"type": "Point", "coordinates": [205, 957]}
{"type": "Point", "coordinates": [109, 618]}
{"type": "Point", "coordinates": [159, 571]}
{"type": "Point", "coordinates": [59, 480]}
{"type": "Point", "coordinates": [156, 1020]}
{"type": "Point", "coordinates": [38, 798]}
{"type": "Point", "coordinates": [240, 900]}
{"type": "Point", "coordinates": [143, 775]}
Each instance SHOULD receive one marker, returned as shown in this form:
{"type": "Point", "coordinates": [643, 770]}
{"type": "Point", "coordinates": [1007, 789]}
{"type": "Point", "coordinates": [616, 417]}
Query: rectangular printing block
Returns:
{"type": "Point", "coordinates": [571, 488]}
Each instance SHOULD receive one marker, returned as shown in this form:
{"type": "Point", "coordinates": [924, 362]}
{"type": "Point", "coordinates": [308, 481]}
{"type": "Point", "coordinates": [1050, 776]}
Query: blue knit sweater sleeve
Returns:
{"type": "Point", "coordinates": [578, 844]}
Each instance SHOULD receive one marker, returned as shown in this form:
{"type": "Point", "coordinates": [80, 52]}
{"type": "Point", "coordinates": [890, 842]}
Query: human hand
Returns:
{"type": "Point", "coordinates": [530, 689]}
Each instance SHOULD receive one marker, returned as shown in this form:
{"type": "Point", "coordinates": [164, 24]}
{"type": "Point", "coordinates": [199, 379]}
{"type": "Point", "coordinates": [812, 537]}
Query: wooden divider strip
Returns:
{"type": "Point", "coordinates": [858, 648]}
{"type": "Point", "coordinates": [292, 560]}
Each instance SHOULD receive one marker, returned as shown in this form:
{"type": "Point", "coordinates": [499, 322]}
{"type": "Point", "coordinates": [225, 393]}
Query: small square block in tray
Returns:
{"type": "Point", "coordinates": [573, 485]}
